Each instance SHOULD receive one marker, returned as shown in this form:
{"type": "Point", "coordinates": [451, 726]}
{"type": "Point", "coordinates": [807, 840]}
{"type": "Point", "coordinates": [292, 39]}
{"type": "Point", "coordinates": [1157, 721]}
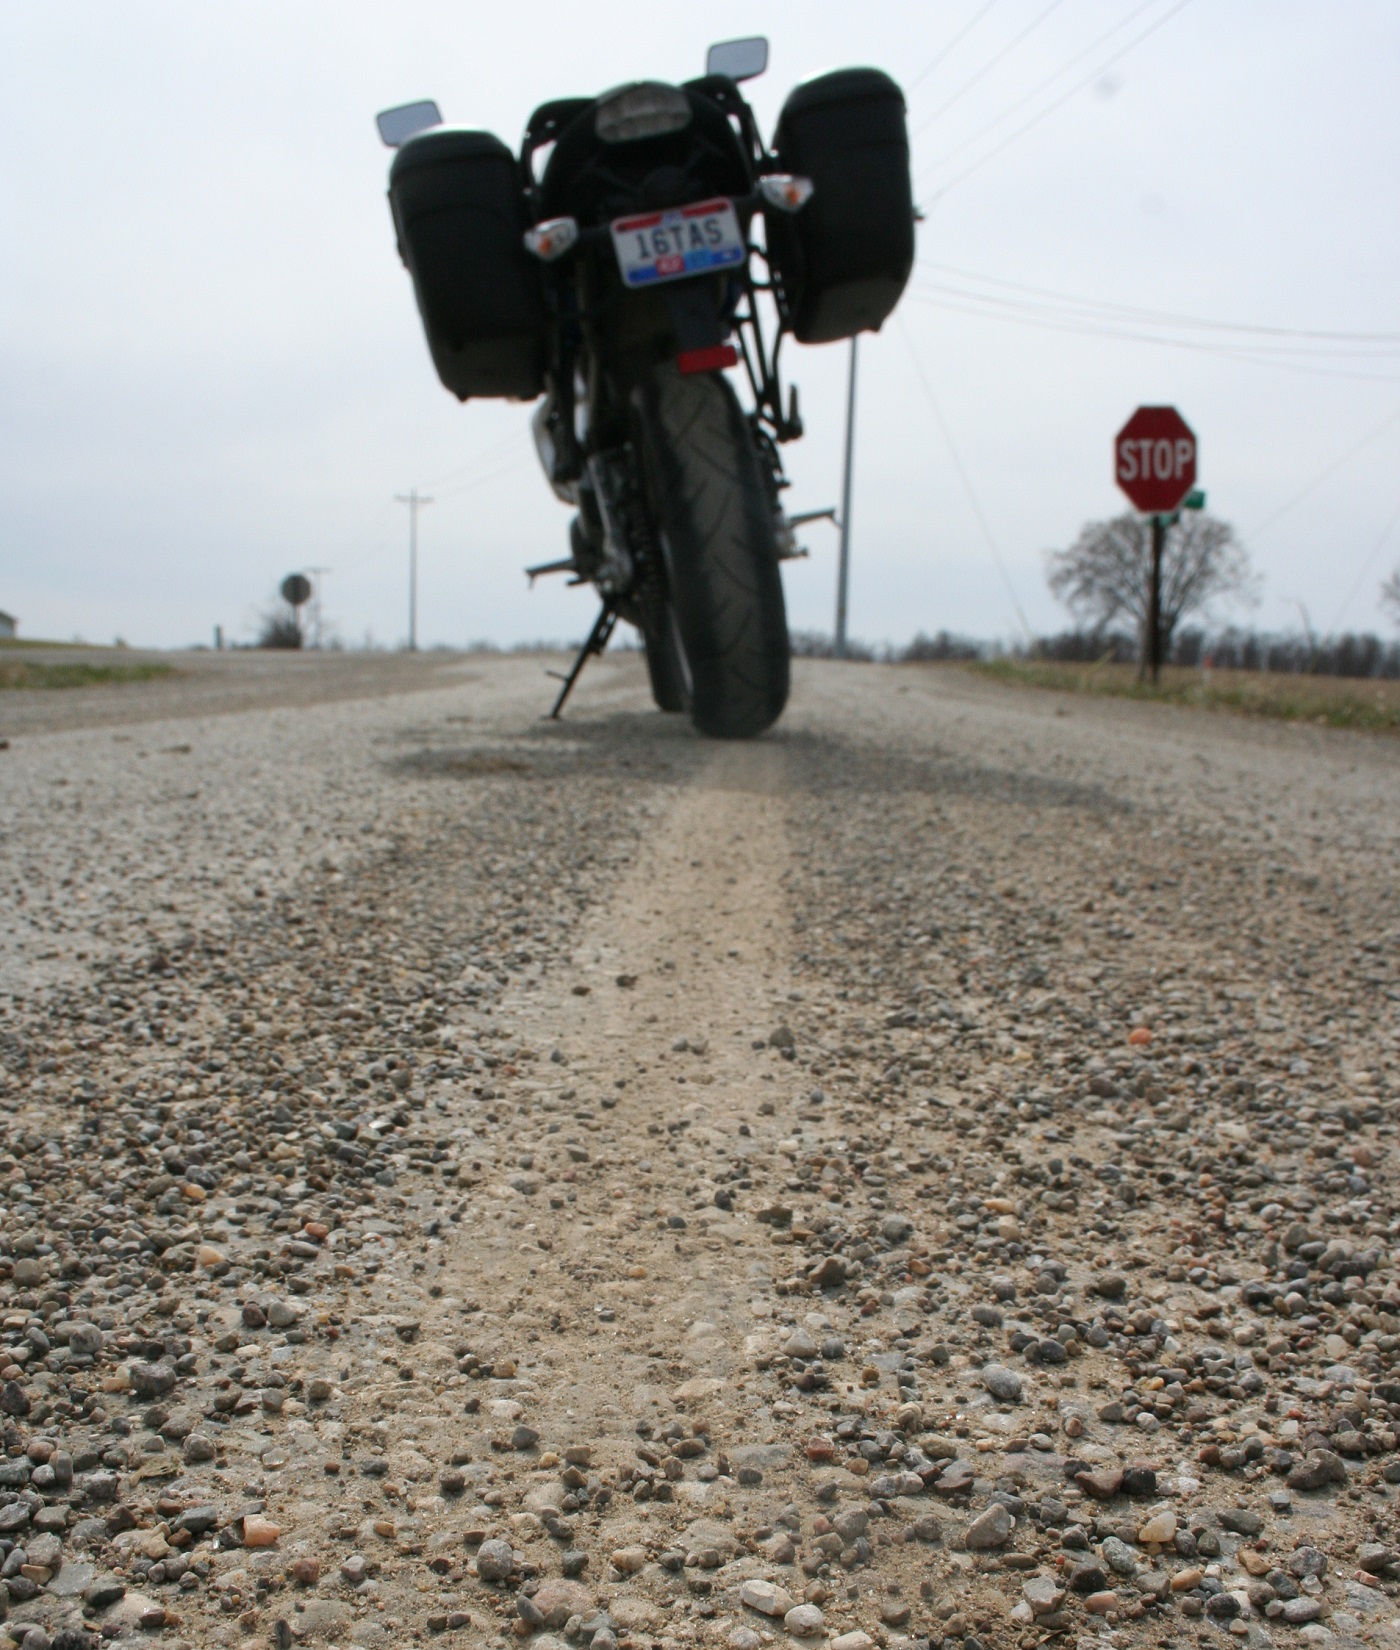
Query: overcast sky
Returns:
{"type": "Point", "coordinates": [211, 369]}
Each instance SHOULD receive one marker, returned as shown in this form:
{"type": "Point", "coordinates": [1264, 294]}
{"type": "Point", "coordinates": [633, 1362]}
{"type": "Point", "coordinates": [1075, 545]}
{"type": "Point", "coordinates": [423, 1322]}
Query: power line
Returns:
{"type": "Point", "coordinates": [1162, 317]}
{"type": "Point", "coordinates": [474, 482]}
{"type": "Point", "coordinates": [1049, 80]}
{"type": "Point", "coordinates": [1303, 492]}
{"type": "Point", "coordinates": [369, 555]}
{"type": "Point", "coordinates": [988, 66]}
{"type": "Point", "coordinates": [1240, 354]}
{"type": "Point", "coordinates": [947, 51]}
{"type": "Point", "coordinates": [1087, 319]}
{"type": "Point", "coordinates": [1053, 320]}
{"type": "Point", "coordinates": [1370, 563]}
{"type": "Point", "coordinates": [963, 475]}
{"type": "Point", "coordinates": [503, 445]}
{"type": "Point", "coordinates": [1050, 108]}
{"type": "Point", "coordinates": [1325, 474]}
{"type": "Point", "coordinates": [467, 485]}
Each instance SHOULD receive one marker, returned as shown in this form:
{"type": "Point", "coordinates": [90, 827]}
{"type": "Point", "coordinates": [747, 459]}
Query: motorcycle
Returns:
{"type": "Point", "coordinates": [612, 271]}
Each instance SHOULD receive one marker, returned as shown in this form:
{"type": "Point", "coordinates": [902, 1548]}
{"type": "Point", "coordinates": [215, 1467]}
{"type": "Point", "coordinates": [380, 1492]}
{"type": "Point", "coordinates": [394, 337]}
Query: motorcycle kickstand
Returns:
{"type": "Point", "coordinates": [597, 640]}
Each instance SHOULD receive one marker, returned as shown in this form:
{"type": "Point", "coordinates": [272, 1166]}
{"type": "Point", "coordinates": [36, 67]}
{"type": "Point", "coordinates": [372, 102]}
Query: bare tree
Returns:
{"type": "Point", "coordinates": [279, 627]}
{"type": "Point", "coordinates": [1105, 576]}
{"type": "Point", "coordinates": [1390, 594]}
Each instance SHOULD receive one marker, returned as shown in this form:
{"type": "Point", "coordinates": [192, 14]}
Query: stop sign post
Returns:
{"type": "Point", "coordinates": [1154, 460]}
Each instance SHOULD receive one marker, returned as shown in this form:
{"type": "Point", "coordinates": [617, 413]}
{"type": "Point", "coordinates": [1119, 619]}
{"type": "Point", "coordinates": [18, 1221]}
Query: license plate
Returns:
{"type": "Point", "coordinates": [682, 241]}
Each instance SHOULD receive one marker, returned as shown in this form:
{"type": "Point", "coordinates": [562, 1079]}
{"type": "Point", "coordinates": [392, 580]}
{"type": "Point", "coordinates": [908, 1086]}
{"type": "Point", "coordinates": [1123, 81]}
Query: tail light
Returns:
{"type": "Point", "coordinates": [712, 359]}
{"type": "Point", "coordinates": [648, 109]}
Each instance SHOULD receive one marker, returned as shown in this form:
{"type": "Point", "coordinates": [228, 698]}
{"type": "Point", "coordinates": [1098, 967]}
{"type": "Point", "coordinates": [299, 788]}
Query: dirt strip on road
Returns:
{"type": "Point", "coordinates": [926, 1176]}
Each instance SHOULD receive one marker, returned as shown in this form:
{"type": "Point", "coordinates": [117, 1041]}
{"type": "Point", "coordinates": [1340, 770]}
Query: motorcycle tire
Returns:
{"type": "Point", "coordinates": [666, 668]}
{"type": "Point", "coordinates": [714, 518]}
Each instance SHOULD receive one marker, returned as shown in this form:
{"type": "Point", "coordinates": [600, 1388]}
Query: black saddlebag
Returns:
{"type": "Point", "coordinates": [844, 258]}
{"type": "Point", "coordinates": [460, 214]}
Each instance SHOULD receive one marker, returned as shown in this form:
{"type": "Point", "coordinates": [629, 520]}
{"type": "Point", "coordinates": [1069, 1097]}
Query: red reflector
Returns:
{"type": "Point", "coordinates": [708, 360]}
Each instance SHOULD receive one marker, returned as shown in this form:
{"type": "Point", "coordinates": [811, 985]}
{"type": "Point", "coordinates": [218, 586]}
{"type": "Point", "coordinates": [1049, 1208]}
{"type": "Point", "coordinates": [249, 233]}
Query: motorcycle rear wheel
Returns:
{"type": "Point", "coordinates": [666, 667]}
{"type": "Point", "coordinates": [712, 511]}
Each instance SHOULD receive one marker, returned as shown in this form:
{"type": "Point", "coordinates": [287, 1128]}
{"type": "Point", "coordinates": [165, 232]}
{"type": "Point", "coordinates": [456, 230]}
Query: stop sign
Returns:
{"type": "Point", "coordinates": [1155, 459]}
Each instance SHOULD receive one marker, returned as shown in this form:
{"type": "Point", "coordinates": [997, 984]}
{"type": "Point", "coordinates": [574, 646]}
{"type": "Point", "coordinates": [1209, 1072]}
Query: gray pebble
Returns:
{"type": "Point", "coordinates": [1003, 1384]}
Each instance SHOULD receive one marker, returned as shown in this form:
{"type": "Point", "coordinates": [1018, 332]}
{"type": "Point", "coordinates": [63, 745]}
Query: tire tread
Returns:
{"type": "Point", "coordinates": [721, 551]}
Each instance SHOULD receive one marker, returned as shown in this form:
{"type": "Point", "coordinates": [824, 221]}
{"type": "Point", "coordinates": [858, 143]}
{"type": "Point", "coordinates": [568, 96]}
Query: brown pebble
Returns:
{"type": "Point", "coordinates": [1102, 1485]}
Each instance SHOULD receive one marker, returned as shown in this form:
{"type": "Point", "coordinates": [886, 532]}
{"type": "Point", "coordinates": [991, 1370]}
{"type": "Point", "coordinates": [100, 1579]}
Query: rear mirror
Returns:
{"type": "Point", "coordinates": [397, 126]}
{"type": "Point", "coordinates": [738, 59]}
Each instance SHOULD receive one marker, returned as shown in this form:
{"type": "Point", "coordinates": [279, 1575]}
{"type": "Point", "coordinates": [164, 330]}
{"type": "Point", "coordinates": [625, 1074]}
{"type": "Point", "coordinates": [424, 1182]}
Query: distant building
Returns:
{"type": "Point", "coordinates": [9, 624]}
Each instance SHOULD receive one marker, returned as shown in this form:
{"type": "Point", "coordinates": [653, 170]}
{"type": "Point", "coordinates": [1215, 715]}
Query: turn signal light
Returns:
{"type": "Point", "coordinates": [552, 239]}
{"type": "Point", "coordinates": [787, 193]}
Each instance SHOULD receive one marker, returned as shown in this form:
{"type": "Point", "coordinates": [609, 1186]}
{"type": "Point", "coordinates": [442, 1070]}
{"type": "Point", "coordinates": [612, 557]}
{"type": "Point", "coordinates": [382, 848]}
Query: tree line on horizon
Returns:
{"type": "Point", "coordinates": [1103, 578]}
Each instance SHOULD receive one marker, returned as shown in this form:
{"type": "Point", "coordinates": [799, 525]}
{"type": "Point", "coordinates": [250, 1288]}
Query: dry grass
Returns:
{"type": "Point", "coordinates": [28, 673]}
{"type": "Point", "coordinates": [16, 644]}
{"type": "Point", "coordinates": [1327, 701]}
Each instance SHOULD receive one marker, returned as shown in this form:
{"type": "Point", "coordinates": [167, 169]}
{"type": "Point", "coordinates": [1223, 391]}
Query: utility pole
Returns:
{"type": "Point", "coordinates": [413, 499]}
{"type": "Point", "coordinates": [843, 572]}
{"type": "Point", "coordinates": [315, 574]}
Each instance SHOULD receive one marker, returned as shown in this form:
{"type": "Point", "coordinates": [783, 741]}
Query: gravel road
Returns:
{"type": "Point", "coordinates": [927, 1176]}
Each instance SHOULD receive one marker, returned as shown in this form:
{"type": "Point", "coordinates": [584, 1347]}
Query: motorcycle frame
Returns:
{"type": "Point", "coordinates": [762, 366]}
{"type": "Point", "coordinates": [760, 360]}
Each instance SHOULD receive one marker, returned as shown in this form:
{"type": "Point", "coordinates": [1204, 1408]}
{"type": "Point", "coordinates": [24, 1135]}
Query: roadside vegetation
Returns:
{"type": "Point", "coordinates": [1103, 578]}
{"type": "Point", "coordinates": [45, 674]}
{"type": "Point", "coordinates": [1370, 704]}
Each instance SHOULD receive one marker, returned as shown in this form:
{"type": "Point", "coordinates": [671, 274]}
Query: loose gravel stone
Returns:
{"type": "Point", "coordinates": [804, 1620]}
{"type": "Point", "coordinates": [1003, 1384]}
{"type": "Point", "coordinates": [989, 1529]}
{"type": "Point", "coordinates": [324, 1189]}
{"type": "Point", "coordinates": [494, 1560]}
{"type": "Point", "coordinates": [1119, 1556]}
{"type": "Point", "coordinates": [1044, 1594]}
{"type": "Point", "coordinates": [765, 1597]}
